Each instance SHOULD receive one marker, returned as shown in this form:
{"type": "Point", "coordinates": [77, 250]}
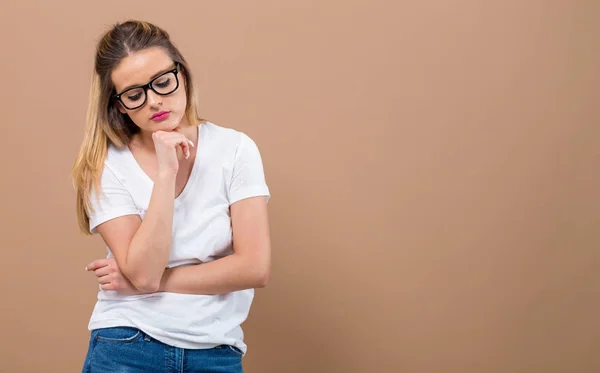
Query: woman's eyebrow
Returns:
{"type": "Point", "coordinates": [152, 77]}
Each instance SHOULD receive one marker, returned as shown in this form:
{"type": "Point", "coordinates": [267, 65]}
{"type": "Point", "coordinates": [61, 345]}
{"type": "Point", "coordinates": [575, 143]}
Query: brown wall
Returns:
{"type": "Point", "coordinates": [433, 165]}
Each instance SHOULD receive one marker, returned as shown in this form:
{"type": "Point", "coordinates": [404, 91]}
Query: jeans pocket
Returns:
{"type": "Point", "coordinates": [235, 350]}
{"type": "Point", "coordinates": [117, 334]}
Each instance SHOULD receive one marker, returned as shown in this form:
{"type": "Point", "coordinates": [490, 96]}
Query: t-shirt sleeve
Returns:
{"type": "Point", "coordinates": [248, 178]}
{"type": "Point", "coordinates": [113, 201]}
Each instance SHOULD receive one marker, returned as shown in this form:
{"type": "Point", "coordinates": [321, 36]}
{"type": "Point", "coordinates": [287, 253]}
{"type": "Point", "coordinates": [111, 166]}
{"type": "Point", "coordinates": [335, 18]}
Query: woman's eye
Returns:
{"type": "Point", "coordinates": [164, 83]}
{"type": "Point", "coordinates": [134, 97]}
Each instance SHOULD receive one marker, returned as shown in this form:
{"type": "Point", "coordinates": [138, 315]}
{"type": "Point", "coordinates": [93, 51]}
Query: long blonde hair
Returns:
{"type": "Point", "coordinates": [104, 123]}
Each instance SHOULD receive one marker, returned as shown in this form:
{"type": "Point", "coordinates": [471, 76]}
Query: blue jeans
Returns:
{"type": "Point", "coordinates": [129, 350]}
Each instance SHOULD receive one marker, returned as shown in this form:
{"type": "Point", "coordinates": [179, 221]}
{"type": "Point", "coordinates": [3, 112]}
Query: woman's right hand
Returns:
{"type": "Point", "coordinates": [166, 144]}
{"type": "Point", "coordinates": [110, 277]}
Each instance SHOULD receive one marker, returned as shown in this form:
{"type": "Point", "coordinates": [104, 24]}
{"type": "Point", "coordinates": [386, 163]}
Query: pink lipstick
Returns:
{"type": "Point", "coordinates": [161, 115]}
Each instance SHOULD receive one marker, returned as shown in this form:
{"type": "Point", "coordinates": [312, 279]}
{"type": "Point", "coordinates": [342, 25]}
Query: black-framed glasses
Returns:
{"type": "Point", "coordinates": [164, 84]}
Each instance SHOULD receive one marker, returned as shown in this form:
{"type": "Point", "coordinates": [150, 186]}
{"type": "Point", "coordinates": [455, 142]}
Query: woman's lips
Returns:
{"type": "Point", "coordinates": [161, 115]}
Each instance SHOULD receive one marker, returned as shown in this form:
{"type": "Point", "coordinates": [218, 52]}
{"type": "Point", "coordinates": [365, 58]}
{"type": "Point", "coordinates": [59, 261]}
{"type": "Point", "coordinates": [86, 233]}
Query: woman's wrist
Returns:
{"type": "Point", "coordinates": [166, 175]}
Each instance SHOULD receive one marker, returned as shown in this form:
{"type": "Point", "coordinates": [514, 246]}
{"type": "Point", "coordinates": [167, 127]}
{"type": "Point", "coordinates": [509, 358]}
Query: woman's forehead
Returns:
{"type": "Point", "coordinates": [140, 67]}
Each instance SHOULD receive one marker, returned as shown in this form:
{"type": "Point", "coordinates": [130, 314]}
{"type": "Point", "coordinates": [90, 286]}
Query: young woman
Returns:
{"type": "Point", "coordinates": [181, 204]}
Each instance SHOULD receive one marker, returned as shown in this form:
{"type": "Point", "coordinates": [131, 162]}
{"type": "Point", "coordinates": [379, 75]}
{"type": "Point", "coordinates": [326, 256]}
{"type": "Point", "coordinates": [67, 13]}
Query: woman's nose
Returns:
{"type": "Point", "coordinates": [153, 98]}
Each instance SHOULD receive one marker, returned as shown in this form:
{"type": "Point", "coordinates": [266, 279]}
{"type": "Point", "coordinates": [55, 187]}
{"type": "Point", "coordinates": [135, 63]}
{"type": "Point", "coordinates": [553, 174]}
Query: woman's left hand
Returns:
{"type": "Point", "coordinates": [110, 277]}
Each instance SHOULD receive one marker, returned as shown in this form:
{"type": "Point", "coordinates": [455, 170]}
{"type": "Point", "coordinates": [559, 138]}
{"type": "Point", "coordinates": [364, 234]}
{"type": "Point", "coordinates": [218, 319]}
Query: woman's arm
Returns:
{"type": "Point", "coordinates": [141, 248]}
{"type": "Point", "coordinates": [248, 267]}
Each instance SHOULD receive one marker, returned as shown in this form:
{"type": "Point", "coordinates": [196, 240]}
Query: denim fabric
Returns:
{"type": "Point", "coordinates": [129, 350]}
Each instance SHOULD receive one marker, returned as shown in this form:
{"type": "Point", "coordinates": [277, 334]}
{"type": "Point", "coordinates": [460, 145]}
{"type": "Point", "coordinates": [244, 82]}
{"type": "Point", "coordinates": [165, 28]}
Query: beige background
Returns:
{"type": "Point", "coordinates": [433, 165]}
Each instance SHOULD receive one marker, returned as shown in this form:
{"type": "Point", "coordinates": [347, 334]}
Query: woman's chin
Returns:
{"type": "Point", "coordinates": [167, 126]}
{"type": "Point", "coordinates": [173, 127]}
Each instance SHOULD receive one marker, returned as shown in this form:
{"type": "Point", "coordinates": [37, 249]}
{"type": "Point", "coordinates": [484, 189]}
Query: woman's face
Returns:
{"type": "Point", "coordinates": [160, 111]}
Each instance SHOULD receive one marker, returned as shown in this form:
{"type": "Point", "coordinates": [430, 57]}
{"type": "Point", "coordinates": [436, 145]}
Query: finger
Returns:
{"type": "Point", "coordinates": [187, 143]}
{"type": "Point", "coordinates": [191, 143]}
{"type": "Point", "coordinates": [104, 279]}
{"type": "Point", "coordinates": [185, 146]}
{"type": "Point", "coordinates": [98, 263]}
{"type": "Point", "coordinates": [176, 139]}
{"type": "Point", "coordinates": [189, 150]}
{"type": "Point", "coordinates": [103, 271]}
{"type": "Point", "coordinates": [108, 286]}
{"type": "Point", "coordinates": [186, 152]}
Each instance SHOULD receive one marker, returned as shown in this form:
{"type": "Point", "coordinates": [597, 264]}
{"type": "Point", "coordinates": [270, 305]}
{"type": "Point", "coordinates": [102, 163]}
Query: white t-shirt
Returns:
{"type": "Point", "coordinates": [228, 167]}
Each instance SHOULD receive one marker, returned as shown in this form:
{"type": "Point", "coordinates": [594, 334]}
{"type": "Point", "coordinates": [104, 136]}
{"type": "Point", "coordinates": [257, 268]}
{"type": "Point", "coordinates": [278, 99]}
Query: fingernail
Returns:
{"type": "Point", "coordinates": [86, 268]}
{"type": "Point", "coordinates": [192, 143]}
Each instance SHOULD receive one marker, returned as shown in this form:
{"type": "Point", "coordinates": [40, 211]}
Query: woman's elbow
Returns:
{"type": "Point", "coordinates": [145, 283]}
{"type": "Point", "coordinates": [147, 286]}
{"type": "Point", "coordinates": [262, 277]}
